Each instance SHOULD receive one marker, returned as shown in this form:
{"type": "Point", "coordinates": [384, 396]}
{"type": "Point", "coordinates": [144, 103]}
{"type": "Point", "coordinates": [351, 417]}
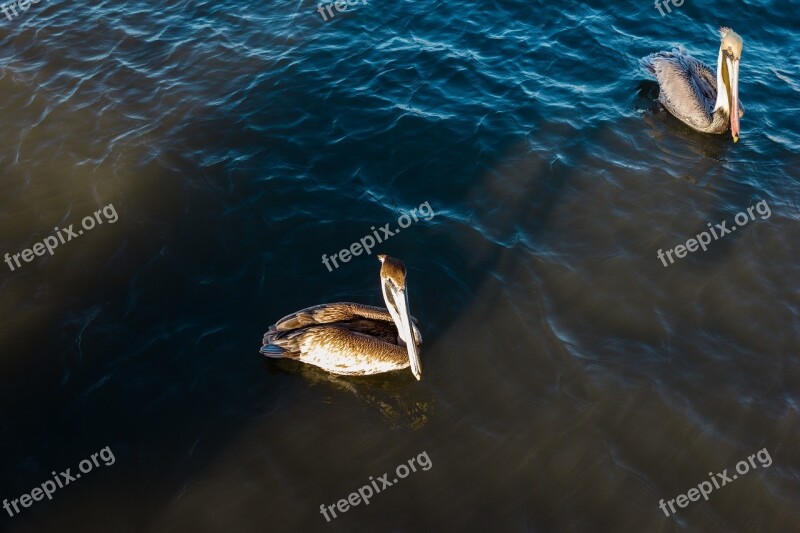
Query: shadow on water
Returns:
{"type": "Point", "coordinates": [136, 354]}
{"type": "Point", "coordinates": [393, 395]}
{"type": "Point", "coordinates": [148, 356]}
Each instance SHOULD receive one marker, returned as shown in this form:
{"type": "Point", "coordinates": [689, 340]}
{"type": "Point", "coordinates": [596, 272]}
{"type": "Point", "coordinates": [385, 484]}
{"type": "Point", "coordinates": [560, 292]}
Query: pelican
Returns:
{"type": "Point", "coordinates": [689, 89]}
{"type": "Point", "coordinates": [353, 339]}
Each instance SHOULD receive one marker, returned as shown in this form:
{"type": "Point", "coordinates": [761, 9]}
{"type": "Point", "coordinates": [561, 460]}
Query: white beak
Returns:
{"type": "Point", "coordinates": [404, 327]}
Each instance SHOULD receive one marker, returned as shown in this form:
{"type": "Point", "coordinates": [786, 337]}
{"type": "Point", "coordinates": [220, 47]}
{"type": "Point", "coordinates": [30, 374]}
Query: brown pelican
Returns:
{"type": "Point", "coordinates": [353, 339]}
{"type": "Point", "coordinates": [689, 89]}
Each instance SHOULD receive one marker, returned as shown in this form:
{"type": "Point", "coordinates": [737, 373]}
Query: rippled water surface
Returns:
{"type": "Point", "coordinates": [570, 380]}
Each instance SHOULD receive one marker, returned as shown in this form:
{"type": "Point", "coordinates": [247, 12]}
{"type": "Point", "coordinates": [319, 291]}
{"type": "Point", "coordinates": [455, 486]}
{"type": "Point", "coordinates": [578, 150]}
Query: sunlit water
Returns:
{"type": "Point", "coordinates": [570, 380]}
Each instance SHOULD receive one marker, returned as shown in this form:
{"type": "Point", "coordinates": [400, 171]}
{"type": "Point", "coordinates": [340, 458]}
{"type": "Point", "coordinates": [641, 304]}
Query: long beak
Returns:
{"type": "Point", "coordinates": [733, 83]}
{"type": "Point", "coordinates": [405, 330]}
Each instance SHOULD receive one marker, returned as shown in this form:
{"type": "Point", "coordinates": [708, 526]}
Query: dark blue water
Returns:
{"type": "Point", "coordinates": [570, 381]}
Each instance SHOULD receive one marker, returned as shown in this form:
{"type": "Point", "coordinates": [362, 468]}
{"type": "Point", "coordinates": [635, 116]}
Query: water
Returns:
{"type": "Point", "coordinates": [570, 380]}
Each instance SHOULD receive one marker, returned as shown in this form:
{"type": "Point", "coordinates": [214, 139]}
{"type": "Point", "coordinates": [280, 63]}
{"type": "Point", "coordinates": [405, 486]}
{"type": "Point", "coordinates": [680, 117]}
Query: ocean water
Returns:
{"type": "Point", "coordinates": [570, 380]}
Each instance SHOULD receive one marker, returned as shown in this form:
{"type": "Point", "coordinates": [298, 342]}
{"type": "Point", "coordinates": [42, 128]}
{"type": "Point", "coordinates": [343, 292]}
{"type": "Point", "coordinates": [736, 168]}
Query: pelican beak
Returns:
{"type": "Point", "coordinates": [733, 94]}
{"type": "Point", "coordinates": [404, 327]}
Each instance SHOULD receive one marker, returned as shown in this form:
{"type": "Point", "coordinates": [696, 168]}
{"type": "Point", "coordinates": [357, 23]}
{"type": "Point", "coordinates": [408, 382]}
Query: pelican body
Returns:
{"type": "Point", "coordinates": [353, 339]}
{"type": "Point", "coordinates": [694, 94]}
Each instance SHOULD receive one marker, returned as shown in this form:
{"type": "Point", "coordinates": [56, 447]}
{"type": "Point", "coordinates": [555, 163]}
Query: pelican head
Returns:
{"type": "Point", "coordinates": [393, 285]}
{"type": "Point", "coordinates": [730, 52]}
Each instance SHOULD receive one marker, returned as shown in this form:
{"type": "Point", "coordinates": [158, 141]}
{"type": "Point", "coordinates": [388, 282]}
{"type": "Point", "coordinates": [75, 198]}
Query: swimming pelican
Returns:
{"type": "Point", "coordinates": [353, 339]}
{"type": "Point", "coordinates": [689, 87]}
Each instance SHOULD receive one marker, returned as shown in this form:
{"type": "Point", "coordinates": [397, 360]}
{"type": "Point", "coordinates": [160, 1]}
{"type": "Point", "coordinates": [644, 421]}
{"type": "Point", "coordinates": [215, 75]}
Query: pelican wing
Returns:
{"type": "Point", "coordinates": [329, 313]}
{"type": "Point", "coordinates": [336, 313]}
{"type": "Point", "coordinates": [688, 87]}
{"type": "Point", "coordinates": [340, 350]}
